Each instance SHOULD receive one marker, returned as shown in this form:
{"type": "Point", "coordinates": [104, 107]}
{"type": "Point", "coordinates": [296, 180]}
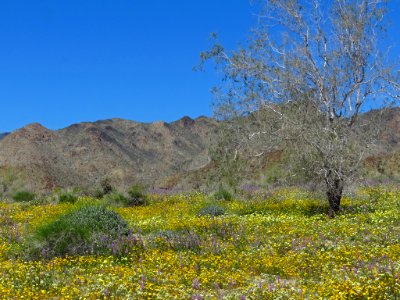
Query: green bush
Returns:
{"type": "Point", "coordinates": [23, 196]}
{"type": "Point", "coordinates": [86, 230]}
{"type": "Point", "coordinates": [211, 210]}
{"type": "Point", "coordinates": [222, 194]}
{"type": "Point", "coordinates": [117, 198]}
{"type": "Point", "coordinates": [97, 193]}
{"type": "Point", "coordinates": [67, 197]}
{"type": "Point", "coordinates": [104, 189]}
{"type": "Point", "coordinates": [106, 186]}
{"type": "Point", "coordinates": [137, 196]}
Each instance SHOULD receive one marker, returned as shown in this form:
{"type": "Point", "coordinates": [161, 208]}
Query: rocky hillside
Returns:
{"type": "Point", "coordinates": [159, 155]}
{"type": "Point", "coordinates": [127, 152]}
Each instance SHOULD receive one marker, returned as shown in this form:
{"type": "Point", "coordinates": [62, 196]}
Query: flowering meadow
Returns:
{"type": "Point", "coordinates": [276, 246]}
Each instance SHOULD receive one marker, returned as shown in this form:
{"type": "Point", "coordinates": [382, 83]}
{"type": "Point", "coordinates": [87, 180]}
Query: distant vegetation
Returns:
{"type": "Point", "coordinates": [23, 196]}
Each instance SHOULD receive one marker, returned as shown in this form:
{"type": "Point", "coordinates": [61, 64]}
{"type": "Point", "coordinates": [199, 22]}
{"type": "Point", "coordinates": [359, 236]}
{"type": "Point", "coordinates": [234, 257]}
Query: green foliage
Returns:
{"type": "Point", "coordinates": [222, 194]}
{"type": "Point", "coordinates": [86, 230]}
{"type": "Point", "coordinates": [62, 196]}
{"type": "Point", "coordinates": [97, 193]}
{"type": "Point", "coordinates": [137, 196]}
{"type": "Point", "coordinates": [117, 198]}
{"type": "Point", "coordinates": [106, 186]}
{"type": "Point", "coordinates": [23, 196]}
{"type": "Point", "coordinates": [213, 210]}
{"type": "Point", "coordinates": [67, 197]}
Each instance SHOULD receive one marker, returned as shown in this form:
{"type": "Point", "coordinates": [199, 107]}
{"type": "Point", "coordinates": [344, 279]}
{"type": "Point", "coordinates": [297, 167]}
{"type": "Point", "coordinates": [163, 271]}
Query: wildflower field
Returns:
{"type": "Point", "coordinates": [276, 246]}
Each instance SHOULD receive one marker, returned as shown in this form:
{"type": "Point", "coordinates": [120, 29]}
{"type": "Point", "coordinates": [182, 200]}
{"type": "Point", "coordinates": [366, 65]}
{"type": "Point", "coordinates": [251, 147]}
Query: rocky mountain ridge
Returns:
{"type": "Point", "coordinates": [125, 151]}
{"type": "Point", "coordinates": [159, 155]}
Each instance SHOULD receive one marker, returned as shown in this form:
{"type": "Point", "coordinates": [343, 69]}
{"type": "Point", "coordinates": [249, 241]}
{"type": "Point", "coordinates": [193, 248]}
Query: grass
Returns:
{"type": "Point", "coordinates": [282, 247]}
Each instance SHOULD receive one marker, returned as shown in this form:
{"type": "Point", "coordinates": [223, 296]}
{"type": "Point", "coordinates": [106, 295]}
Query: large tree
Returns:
{"type": "Point", "coordinates": [308, 74]}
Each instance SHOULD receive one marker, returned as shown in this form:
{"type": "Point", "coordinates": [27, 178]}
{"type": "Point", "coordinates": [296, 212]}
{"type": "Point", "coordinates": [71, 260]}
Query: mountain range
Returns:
{"type": "Point", "coordinates": [124, 151]}
{"type": "Point", "coordinates": [159, 155]}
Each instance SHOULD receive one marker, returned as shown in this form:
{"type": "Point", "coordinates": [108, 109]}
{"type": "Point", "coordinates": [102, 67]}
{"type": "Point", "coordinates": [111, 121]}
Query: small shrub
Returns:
{"type": "Point", "coordinates": [223, 194]}
{"type": "Point", "coordinates": [106, 186]}
{"type": "Point", "coordinates": [67, 197]}
{"type": "Point", "coordinates": [104, 189]}
{"type": "Point", "coordinates": [211, 210]}
{"type": "Point", "coordinates": [23, 196]}
{"type": "Point", "coordinates": [97, 193]}
{"type": "Point", "coordinates": [117, 198]}
{"type": "Point", "coordinates": [137, 196]}
{"type": "Point", "coordinates": [87, 230]}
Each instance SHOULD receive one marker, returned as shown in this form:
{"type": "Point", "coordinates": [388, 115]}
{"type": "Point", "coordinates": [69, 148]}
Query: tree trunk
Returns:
{"type": "Point", "coordinates": [334, 193]}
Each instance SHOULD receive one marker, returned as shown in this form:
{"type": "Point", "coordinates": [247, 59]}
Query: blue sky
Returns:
{"type": "Point", "coordinates": [68, 61]}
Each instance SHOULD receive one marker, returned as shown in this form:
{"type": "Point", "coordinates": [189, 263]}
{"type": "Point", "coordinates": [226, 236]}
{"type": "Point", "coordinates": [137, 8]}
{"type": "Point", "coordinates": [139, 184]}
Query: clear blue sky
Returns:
{"type": "Point", "coordinates": [69, 61]}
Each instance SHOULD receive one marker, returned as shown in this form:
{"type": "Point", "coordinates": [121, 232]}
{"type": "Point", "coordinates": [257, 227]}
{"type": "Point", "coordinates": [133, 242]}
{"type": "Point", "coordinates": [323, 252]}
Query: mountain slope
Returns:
{"type": "Point", "coordinates": [159, 155]}
{"type": "Point", "coordinates": [124, 151]}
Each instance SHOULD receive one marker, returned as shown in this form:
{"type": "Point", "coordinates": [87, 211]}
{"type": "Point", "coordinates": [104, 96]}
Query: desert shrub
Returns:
{"type": "Point", "coordinates": [86, 230]}
{"type": "Point", "coordinates": [97, 193]}
{"type": "Point", "coordinates": [106, 186]}
{"type": "Point", "coordinates": [117, 198]}
{"type": "Point", "coordinates": [63, 196]}
{"type": "Point", "coordinates": [137, 196]}
{"type": "Point", "coordinates": [104, 189]}
{"type": "Point", "coordinates": [67, 197]}
{"type": "Point", "coordinates": [222, 194]}
{"type": "Point", "coordinates": [23, 196]}
{"type": "Point", "coordinates": [211, 210]}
